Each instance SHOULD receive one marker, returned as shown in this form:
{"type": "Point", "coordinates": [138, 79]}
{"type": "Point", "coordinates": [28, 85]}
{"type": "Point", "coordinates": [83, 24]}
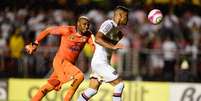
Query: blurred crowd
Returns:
{"type": "Point", "coordinates": [169, 51]}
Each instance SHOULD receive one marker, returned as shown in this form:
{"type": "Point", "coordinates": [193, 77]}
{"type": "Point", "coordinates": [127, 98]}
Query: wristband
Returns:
{"type": "Point", "coordinates": [35, 43]}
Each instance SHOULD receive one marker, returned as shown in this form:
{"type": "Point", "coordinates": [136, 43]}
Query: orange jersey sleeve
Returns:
{"type": "Point", "coordinates": [57, 30]}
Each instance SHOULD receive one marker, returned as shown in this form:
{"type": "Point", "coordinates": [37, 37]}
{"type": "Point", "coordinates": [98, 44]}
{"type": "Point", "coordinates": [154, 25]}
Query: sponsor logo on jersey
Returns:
{"type": "Point", "coordinates": [114, 72]}
{"type": "Point", "coordinates": [75, 48]}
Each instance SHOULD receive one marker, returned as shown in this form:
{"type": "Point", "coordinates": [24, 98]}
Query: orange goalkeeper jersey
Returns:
{"type": "Point", "coordinates": [71, 43]}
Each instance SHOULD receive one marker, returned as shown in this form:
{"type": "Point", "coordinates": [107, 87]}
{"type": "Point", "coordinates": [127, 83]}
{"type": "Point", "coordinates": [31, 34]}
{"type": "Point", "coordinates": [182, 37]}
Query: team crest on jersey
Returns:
{"type": "Point", "coordinates": [114, 72]}
{"type": "Point", "coordinates": [71, 37]}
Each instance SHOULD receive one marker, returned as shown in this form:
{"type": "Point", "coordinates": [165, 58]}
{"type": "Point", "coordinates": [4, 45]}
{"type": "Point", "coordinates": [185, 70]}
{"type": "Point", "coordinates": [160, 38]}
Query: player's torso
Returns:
{"type": "Point", "coordinates": [113, 34]}
{"type": "Point", "coordinates": [105, 53]}
{"type": "Point", "coordinates": [71, 45]}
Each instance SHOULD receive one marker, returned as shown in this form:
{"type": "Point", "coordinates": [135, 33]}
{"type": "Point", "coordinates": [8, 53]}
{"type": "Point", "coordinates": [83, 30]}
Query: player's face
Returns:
{"type": "Point", "coordinates": [83, 25]}
{"type": "Point", "coordinates": [124, 18]}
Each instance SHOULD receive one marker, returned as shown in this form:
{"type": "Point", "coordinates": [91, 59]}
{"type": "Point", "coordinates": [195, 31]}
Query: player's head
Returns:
{"type": "Point", "coordinates": [121, 15]}
{"type": "Point", "coordinates": [83, 24]}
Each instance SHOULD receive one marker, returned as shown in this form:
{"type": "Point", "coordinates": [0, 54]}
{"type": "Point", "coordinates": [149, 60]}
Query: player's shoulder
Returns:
{"type": "Point", "coordinates": [106, 26]}
{"type": "Point", "coordinates": [108, 22]}
{"type": "Point", "coordinates": [67, 27]}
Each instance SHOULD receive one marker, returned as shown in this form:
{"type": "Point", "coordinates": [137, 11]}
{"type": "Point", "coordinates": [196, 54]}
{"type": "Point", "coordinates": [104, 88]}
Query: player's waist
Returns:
{"type": "Point", "coordinates": [103, 49]}
{"type": "Point", "coordinates": [102, 53]}
{"type": "Point", "coordinates": [100, 58]}
{"type": "Point", "coordinates": [69, 58]}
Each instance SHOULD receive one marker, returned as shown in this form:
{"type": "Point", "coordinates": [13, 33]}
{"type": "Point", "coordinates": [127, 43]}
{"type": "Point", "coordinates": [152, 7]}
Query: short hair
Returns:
{"type": "Point", "coordinates": [83, 17]}
{"type": "Point", "coordinates": [123, 8]}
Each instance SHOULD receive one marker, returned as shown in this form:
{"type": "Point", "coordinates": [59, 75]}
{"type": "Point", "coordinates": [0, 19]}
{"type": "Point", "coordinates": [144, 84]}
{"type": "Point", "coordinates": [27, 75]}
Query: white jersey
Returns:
{"type": "Point", "coordinates": [109, 29]}
{"type": "Point", "coordinates": [101, 68]}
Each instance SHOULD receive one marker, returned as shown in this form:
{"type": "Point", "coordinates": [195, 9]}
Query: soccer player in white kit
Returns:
{"type": "Point", "coordinates": [106, 42]}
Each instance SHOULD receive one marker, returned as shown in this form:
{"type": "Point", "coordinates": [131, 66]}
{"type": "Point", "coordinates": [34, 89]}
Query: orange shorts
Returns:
{"type": "Point", "coordinates": [63, 70]}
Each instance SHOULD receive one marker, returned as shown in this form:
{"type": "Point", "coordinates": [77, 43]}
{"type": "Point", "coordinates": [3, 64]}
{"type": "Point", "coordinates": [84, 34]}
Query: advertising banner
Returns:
{"type": "Point", "coordinates": [185, 92]}
{"type": "Point", "coordinates": [24, 89]}
{"type": "Point", "coordinates": [153, 91]}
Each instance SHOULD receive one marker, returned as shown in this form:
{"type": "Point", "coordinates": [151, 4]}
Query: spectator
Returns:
{"type": "Point", "coordinates": [16, 45]}
{"type": "Point", "coordinates": [169, 49]}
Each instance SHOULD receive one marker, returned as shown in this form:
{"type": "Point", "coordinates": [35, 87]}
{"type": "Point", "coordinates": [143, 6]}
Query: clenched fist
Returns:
{"type": "Point", "coordinates": [30, 48]}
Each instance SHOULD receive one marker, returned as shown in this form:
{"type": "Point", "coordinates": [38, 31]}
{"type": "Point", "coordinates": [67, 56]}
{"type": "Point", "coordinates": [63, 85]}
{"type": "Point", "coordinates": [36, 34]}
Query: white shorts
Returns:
{"type": "Point", "coordinates": [103, 71]}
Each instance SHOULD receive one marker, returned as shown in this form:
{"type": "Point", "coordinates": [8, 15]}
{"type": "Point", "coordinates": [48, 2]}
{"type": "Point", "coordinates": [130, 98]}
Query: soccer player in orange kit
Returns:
{"type": "Point", "coordinates": [73, 39]}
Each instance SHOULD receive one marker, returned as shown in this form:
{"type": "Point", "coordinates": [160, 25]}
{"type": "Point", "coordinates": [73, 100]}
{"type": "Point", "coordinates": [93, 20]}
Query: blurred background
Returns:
{"type": "Point", "coordinates": [168, 52]}
{"type": "Point", "coordinates": [162, 52]}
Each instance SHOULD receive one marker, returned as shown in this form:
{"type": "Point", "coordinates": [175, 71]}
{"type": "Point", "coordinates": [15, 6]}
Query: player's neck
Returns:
{"type": "Point", "coordinates": [116, 21]}
{"type": "Point", "coordinates": [78, 31]}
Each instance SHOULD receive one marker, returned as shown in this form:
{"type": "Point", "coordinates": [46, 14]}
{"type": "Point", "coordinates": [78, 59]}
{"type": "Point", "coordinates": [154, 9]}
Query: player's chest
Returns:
{"type": "Point", "coordinates": [113, 34]}
{"type": "Point", "coordinates": [75, 39]}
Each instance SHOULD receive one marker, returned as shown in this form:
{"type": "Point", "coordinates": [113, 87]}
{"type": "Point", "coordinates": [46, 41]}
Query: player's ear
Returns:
{"type": "Point", "coordinates": [78, 23]}
{"type": "Point", "coordinates": [120, 15]}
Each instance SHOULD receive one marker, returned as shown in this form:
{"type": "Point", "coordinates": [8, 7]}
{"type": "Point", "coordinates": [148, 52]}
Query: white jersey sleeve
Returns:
{"type": "Point", "coordinates": [106, 27]}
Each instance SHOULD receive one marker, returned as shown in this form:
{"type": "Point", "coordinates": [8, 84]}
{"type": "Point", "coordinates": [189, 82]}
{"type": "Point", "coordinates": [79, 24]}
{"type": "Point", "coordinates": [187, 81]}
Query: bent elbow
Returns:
{"type": "Point", "coordinates": [97, 40]}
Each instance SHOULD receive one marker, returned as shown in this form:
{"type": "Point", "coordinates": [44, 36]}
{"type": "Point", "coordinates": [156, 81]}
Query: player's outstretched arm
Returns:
{"type": "Point", "coordinates": [56, 30]}
{"type": "Point", "coordinates": [30, 48]}
{"type": "Point", "coordinates": [103, 41]}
